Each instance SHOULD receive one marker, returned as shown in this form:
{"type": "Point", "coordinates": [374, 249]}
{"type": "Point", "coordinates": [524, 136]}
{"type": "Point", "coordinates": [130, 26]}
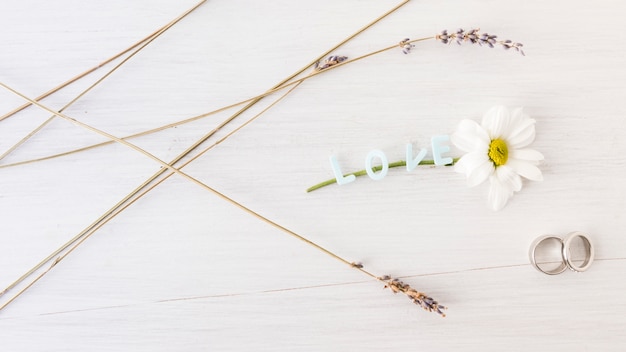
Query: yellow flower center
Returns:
{"type": "Point", "coordinates": [498, 152]}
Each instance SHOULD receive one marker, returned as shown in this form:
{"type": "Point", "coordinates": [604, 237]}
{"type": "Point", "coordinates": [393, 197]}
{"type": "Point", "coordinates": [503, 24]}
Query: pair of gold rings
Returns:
{"type": "Point", "coordinates": [539, 253]}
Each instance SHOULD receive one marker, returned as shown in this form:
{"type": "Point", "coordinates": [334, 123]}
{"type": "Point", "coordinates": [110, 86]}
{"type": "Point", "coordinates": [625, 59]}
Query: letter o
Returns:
{"type": "Point", "coordinates": [368, 164]}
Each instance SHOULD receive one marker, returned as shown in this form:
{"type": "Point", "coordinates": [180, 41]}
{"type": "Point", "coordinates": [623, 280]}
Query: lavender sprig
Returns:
{"type": "Point", "coordinates": [419, 298]}
{"type": "Point", "coordinates": [474, 37]}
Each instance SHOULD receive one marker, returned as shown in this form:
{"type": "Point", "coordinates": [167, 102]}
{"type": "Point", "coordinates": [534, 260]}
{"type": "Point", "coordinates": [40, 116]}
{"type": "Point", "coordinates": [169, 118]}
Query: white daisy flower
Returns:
{"type": "Point", "coordinates": [496, 149]}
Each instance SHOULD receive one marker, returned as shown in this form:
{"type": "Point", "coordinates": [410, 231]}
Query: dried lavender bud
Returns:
{"type": "Point", "coordinates": [406, 45]}
{"type": "Point", "coordinates": [507, 44]}
{"type": "Point", "coordinates": [331, 61]}
{"type": "Point", "coordinates": [443, 37]}
{"type": "Point", "coordinates": [459, 35]}
{"type": "Point", "coordinates": [357, 265]}
{"type": "Point", "coordinates": [472, 36]}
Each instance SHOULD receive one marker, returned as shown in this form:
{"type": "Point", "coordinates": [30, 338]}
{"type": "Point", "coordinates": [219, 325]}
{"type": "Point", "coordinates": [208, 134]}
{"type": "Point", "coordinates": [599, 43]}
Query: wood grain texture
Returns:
{"type": "Point", "coordinates": [182, 270]}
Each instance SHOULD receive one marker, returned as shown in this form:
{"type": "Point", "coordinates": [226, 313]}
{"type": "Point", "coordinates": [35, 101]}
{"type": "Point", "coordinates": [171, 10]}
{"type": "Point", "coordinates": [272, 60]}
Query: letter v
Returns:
{"type": "Point", "coordinates": [412, 163]}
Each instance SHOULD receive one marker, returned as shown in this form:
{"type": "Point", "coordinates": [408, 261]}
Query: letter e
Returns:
{"type": "Point", "coordinates": [440, 148]}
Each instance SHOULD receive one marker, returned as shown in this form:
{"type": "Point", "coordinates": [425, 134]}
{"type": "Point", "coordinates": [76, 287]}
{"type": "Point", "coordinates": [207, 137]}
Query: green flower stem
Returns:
{"type": "Point", "coordinates": [375, 169]}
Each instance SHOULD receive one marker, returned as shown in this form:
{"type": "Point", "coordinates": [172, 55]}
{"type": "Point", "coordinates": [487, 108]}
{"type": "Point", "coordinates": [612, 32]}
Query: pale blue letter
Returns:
{"type": "Point", "coordinates": [439, 149]}
{"type": "Point", "coordinates": [411, 163]}
{"type": "Point", "coordinates": [368, 165]}
{"type": "Point", "coordinates": [341, 180]}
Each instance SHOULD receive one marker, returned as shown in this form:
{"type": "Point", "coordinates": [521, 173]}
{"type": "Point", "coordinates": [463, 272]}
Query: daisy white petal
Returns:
{"type": "Point", "coordinates": [499, 194]}
{"type": "Point", "coordinates": [517, 116]}
{"type": "Point", "coordinates": [479, 174]}
{"type": "Point", "coordinates": [526, 169]}
{"type": "Point", "coordinates": [522, 134]}
{"type": "Point", "coordinates": [509, 177]}
{"type": "Point", "coordinates": [470, 136]}
{"type": "Point", "coordinates": [496, 121]}
{"type": "Point", "coordinates": [470, 161]}
{"type": "Point", "coordinates": [526, 154]}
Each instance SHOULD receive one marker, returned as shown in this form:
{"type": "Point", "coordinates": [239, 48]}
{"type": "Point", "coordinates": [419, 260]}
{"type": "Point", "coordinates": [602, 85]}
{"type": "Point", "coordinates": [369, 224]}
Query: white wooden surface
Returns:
{"type": "Point", "coordinates": [182, 270]}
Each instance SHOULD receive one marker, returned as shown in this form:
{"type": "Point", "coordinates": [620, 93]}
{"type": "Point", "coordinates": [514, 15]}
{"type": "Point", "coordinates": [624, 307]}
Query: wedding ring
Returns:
{"type": "Point", "coordinates": [541, 243]}
{"type": "Point", "coordinates": [567, 251]}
